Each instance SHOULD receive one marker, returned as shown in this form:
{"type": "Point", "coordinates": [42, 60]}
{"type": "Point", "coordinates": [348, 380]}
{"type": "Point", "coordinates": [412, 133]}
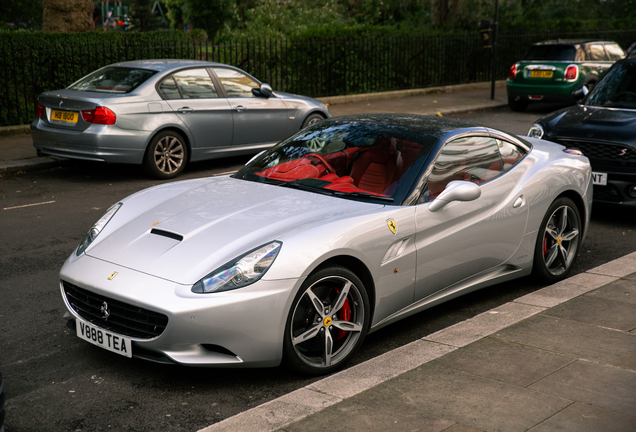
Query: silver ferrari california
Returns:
{"type": "Point", "coordinates": [166, 113]}
{"type": "Point", "coordinates": [344, 228]}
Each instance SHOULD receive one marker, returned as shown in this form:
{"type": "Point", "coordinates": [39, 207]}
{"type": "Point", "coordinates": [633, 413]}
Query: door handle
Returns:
{"type": "Point", "coordinates": [185, 110]}
{"type": "Point", "coordinates": [239, 108]}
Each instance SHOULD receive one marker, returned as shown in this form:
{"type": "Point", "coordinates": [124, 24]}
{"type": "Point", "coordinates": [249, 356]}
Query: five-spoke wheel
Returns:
{"type": "Point", "coordinates": [558, 241]}
{"type": "Point", "coordinates": [327, 322]}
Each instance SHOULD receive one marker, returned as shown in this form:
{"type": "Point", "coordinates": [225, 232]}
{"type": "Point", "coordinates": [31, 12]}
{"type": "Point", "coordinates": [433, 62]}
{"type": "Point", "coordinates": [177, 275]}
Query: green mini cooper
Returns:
{"type": "Point", "coordinates": [550, 71]}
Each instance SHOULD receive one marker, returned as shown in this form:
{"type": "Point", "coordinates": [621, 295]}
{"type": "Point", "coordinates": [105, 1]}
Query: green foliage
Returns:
{"type": "Point", "coordinates": [21, 14]}
{"type": "Point", "coordinates": [142, 16]}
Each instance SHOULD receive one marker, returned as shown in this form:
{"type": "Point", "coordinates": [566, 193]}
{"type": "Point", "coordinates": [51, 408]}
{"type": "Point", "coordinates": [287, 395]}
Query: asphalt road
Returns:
{"type": "Point", "coordinates": [56, 382]}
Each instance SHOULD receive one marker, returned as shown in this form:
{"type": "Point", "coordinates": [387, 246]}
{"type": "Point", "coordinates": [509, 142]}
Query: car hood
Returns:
{"type": "Point", "coordinates": [592, 123]}
{"type": "Point", "coordinates": [191, 233]}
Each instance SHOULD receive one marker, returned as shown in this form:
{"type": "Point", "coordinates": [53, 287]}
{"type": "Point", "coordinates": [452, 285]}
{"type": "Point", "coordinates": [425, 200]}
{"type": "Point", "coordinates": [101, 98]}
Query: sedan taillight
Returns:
{"type": "Point", "coordinates": [99, 115]}
{"type": "Point", "coordinates": [571, 73]}
{"type": "Point", "coordinates": [39, 109]}
{"type": "Point", "coordinates": [512, 73]}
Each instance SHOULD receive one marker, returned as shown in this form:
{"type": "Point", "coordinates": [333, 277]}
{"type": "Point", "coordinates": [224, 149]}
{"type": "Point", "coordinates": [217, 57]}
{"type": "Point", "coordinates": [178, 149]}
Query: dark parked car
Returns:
{"type": "Point", "coordinates": [550, 71]}
{"type": "Point", "coordinates": [603, 127]}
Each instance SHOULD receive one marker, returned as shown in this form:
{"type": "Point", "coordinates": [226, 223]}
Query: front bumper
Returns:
{"type": "Point", "coordinates": [240, 328]}
{"type": "Point", "coordinates": [100, 143]}
{"type": "Point", "coordinates": [617, 189]}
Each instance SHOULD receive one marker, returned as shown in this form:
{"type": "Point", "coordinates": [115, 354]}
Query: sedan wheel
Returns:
{"type": "Point", "coordinates": [312, 120]}
{"type": "Point", "coordinates": [327, 322]}
{"type": "Point", "coordinates": [166, 156]}
{"type": "Point", "coordinates": [558, 241]}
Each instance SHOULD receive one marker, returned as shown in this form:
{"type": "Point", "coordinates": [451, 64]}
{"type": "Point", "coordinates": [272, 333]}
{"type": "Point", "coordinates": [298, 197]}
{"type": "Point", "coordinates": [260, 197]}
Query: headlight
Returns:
{"type": "Point", "coordinates": [92, 233]}
{"type": "Point", "coordinates": [536, 131]}
{"type": "Point", "coordinates": [241, 272]}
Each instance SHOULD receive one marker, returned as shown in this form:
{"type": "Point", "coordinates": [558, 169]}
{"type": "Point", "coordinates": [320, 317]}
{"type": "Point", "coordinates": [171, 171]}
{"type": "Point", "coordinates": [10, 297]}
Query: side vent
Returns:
{"type": "Point", "coordinates": [168, 234]}
{"type": "Point", "coordinates": [395, 250]}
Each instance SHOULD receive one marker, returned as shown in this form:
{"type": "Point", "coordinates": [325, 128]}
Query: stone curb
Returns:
{"type": "Point", "coordinates": [333, 389]}
{"type": "Point", "coordinates": [332, 100]}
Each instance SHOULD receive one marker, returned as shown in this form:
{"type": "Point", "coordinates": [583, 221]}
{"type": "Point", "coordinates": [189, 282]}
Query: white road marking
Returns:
{"type": "Point", "coordinates": [28, 205]}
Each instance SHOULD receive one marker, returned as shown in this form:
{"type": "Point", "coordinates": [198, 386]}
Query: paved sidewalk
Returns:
{"type": "Point", "coordinates": [18, 154]}
{"type": "Point", "coordinates": [560, 359]}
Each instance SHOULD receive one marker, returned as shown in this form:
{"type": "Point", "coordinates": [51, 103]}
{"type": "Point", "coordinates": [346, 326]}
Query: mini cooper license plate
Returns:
{"type": "Point", "coordinates": [599, 178]}
{"type": "Point", "coordinates": [540, 74]}
{"type": "Point", "coordinates": [65, 116]}
{"type": "Point", "coordinates": [102, 338]}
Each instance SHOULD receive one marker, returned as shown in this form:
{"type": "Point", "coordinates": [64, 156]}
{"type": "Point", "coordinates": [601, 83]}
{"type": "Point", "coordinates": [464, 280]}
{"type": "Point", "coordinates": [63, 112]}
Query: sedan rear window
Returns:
{"type": "Point", "coordinates": [113, 80]}
{"type": "Point", "coordinates": [551, 52]}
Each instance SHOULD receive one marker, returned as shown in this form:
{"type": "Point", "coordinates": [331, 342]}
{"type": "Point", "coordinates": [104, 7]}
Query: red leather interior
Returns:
{"type": "Point", "coordinates": [377, 168]}
{"type": "Point", "coordinates": [294, 170]}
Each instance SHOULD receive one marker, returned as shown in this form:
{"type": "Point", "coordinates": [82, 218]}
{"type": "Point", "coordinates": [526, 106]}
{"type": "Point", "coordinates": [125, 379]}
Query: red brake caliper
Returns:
{"type": "Point", "coordinates": [344, 314]}
{"type": "Point", "coordinates": [545, 245]}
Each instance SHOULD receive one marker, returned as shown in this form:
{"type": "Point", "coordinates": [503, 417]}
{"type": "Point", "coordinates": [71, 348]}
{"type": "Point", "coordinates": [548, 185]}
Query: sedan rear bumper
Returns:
{"type": "Point", "coordinates": [100, 143]}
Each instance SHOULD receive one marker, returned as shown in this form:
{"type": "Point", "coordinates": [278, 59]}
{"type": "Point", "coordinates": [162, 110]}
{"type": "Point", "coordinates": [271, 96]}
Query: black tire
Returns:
{"type": "Point", "coordinates": [328, 321]}
{"type": "Point", "coordinates": [312, 119]}
{"type": "Point", "coordinates": [517, 105]}
{"type": "Point", "coordinates": [558, 241]}
{"type": "Point", "coordinates": [166, 156]}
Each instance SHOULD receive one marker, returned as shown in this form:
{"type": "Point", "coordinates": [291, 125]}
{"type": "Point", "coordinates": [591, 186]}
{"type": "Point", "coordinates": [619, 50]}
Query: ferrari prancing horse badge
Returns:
{"type": "Point", "coordinates": [392, 225]}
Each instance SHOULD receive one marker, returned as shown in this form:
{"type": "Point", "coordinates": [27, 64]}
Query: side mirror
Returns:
{"type": "Point", "coordinates": [266, 90]}
{"type": "Point", "coordinates": [457, 190]}
{"type": "Point", "coordinates": [580, 93]}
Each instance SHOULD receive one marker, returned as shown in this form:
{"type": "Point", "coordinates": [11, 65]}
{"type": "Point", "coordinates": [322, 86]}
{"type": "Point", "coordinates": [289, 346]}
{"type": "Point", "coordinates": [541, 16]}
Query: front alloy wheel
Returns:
{"type": "Point", "coordinates": [327, 322]}
{"type": "Point", "coordinates": [558, 241]}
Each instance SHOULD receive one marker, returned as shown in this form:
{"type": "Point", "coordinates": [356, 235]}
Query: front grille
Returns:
{"type": "Point", "coordinates": [124, 319]}
{"type": "Point", "coordinates": [612, 157]}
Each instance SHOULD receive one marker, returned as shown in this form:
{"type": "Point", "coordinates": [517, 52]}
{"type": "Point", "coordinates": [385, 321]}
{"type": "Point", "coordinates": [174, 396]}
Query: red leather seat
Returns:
{"type": "Point", "coordinates": [377, 168]}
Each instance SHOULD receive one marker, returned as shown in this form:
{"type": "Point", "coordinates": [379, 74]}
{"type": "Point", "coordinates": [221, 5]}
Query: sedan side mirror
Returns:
{"type": "Point", "coordinates": [266, 90]}
{"type": "Point", "coordinates": [580, 93]}
{"type": "Point", "coordinates": [457, 190]}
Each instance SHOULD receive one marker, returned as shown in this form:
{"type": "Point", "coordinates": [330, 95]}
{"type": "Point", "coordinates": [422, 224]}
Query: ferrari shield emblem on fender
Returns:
{"type": "Point", "coordinates": [112, 276]}
{"type": "Point", "coordinates": [392, 225]}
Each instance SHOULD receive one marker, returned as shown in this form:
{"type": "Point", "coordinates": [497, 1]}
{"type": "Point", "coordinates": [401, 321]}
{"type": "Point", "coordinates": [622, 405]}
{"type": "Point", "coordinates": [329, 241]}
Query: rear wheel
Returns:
{"type": "Point", "coordinates": [328, 321]}
{"type": "Point", "coordinates": [558, 241]}
{"type": "Point", "coordinates": [166, 156]}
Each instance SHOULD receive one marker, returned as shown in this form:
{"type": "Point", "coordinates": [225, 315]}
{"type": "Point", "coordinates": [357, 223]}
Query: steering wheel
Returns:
{"type": "Point", "coordinates": [323, 161]}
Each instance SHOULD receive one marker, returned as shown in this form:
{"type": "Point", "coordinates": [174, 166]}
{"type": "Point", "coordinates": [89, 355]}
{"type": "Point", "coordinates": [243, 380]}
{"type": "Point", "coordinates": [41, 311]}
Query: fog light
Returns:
{"type": "Point", "coordinates": [632, 191]}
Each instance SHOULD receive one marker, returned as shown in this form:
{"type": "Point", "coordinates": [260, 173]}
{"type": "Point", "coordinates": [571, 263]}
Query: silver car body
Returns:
{"type": "Point", "coordinates": [213, 127]}
{"type": "Point", "coordinates": [431, 258]}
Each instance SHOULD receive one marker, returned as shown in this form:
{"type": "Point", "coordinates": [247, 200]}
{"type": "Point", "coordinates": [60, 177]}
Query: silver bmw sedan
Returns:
{"type": "Point", "coordinates": [165, 113]}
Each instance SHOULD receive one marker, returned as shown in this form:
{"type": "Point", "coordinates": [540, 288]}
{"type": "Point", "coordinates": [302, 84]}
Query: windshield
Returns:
{"type": "Point", "coordinates": [113, 80]}
{"type": "Point", "coordinates": [551, 52]}
{"type": "Point", "coordinates": [617, 89]}
{"type": "Point", "coordinates": [350, 159]}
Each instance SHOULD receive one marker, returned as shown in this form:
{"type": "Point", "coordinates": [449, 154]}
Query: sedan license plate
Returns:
{"type": "Point", "coordinates": [540, 74]}
{"type": "Point", "coordinates": [65, 116]}
{"type": "Point", "coordinates": [102, 338]}
{"type": "Point", "coordinates": [599, 178]}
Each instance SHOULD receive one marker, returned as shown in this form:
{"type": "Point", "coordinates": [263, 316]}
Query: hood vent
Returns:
{"type": "Point", "coordinates": [168, 234]}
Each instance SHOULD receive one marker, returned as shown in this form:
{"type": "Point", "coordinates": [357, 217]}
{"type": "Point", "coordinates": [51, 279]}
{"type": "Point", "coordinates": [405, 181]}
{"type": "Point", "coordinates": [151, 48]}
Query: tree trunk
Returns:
{"type": "Point", "coordinates": [68, 16]}
{"type": "Point", "coordinates": [444, 11]}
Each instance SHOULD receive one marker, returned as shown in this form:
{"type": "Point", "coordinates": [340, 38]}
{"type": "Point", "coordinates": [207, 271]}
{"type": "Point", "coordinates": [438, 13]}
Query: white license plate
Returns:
{"type": "Point", "coordinates": [599, 178]}
{"type": "Point", "coordinates": [102, 338]}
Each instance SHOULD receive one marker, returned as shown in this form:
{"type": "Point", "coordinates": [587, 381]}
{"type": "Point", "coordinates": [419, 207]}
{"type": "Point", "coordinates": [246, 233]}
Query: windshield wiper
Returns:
{"type": "Point", "coordinates": [362, 195]}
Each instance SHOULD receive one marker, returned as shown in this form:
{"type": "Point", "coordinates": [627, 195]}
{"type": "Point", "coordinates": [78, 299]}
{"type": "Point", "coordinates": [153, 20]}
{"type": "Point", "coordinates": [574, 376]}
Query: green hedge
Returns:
{"type": "Point", "coordinates": [322, 63]}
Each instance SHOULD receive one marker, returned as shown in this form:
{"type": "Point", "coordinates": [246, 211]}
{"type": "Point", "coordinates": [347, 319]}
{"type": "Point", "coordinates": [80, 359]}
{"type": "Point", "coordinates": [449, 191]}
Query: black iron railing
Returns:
{"type": "Point", "coordinates": [310, 66]}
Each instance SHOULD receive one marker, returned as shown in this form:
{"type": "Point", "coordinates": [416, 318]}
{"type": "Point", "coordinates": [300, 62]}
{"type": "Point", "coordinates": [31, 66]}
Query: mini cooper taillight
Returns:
{"type": "Point", "coordinates": [512, 73]}
{"type": "Point", "coordinates": [572, 73]}
{"type": "Point", "coordinates": [99, 115]}
{"type": "Point", "coordinates": [39, 109]}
